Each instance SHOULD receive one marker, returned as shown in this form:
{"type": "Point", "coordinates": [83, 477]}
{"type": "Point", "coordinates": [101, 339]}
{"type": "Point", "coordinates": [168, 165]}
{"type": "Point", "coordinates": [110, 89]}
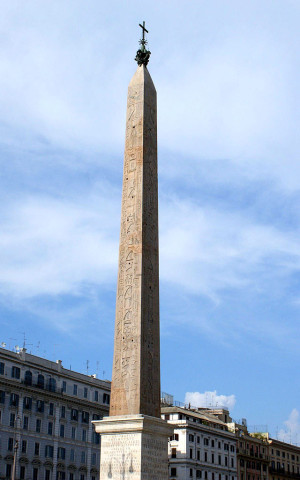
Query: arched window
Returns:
{"type": "Point", "coordinates": [52, 385]}
{"type": "Point", "coordinates": [41, 381]}
{"type": "Point", "coordinates": [28, 378]}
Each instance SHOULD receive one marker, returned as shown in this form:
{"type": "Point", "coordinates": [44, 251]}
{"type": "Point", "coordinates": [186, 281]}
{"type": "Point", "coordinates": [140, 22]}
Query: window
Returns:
{"type": "Point", "coordinates": [14, 399]}
{"type": "Point", "coordinates": [25, 423]}
{"type": "Point", "coordinates": [96, 396]}
{"type": "Point", "coordinates": [205, 475]}
{"type": "Point", "coordinates": [63, 412]}
{"type": "Point", "coordinates": [8, 470]}
{"type": "Point", "coordinates": [72, 455]}
{"type": "Point", "coordinates": [40, 382]}
{"type": "Point", "coordinates": [75, 389]}
{"type": "Point", "coordinates": [191, 472]}
{"type": "Point", "coordinates": [106, 398]}
{"type": "Point", "coordinates": [212, 443]}
{"type": "Point", "coordinates": [191, 437]}
{"type": "Point", "coordinates": [74, 414]}
{"type": "Point", "coordinates": [241, 462]}
{"type": "Point", "coordinates": [82, 476]}
{"type": "Point", "coordinates": [36, 448]}
{"type": "Point", "coordinates": [173, 453]}
{"type": "Point", "coordinates": [40, 406]}
{"type": "Point", "coordinates": [60, 475]}
{"type": "Point", "coordinates": [2, 365]}
{"type": "Point", "coordinates": [232, 448]}
{"type": "Point", "coordinates": [85, 392]}
{"type": "Point", "coordinates": [24, 446]}
{"type": "Point", "coordinates": [51, 408]}
{"type": "Point", "coordinates": [71, 476]}
{"type": "Point", "coordinates": [82, 457]}
{"type": "Point", "coordinates": [28, 377]}
{"type": "Point", "coordinates": [226, 446]}
{"type": "Point", "coordinates": [173, 472]}
{"type": "Point", "coordinates": [61, 430]}
{"type": "Point", "coordinates": [85, 417]}
{"type": "Point", "coordinates": [206, 441]}
{"type": "Point", "coordinates": [35, 474]}
{"type": "Point", "coordinates": [15, 372]}
{"type": "Point", "coordinates": [50, 428]}
{"type": "Point", "coordinates": [212, 458]}
{"type": "Point", "coordinates": [198, 473]}
{"type": "Point", "coordinates": [22, 472]}
{"type": "Point", "coordinates": [73, 433]}
{"type": "Point", "coordinates": [175, 437]}
{"type": "Point", "coordinates": [96, 416]}
{"type": "Point", "coordinates": [61, 453]}
{"type": "Point", "coordinates": [64, 386]}
{"type": "Point", "coordinates": [2, 396]}
{"type": "Point", "coordinates": [10, 445]}
{"type": "Point", "coordinates": [191, 453]}
{"type": "Point", "coordinates": [226, 461]}
{"type": "Point", "coordinates": [232, 463]}
{"type": "Point", "coordinates": [94, 458]}
{"type": "Point", "coordinates": [212, 476]}
{"type": "Point", "coordinates": [38, 425]}
{"type": "Point", "coordinates": [96, 438]}
{"type": "Point", "coordinates": [27, 403]}
{"type": "Point", "coordinates": [198, 439]}
{"type": "Point", "coordinates": [47, 474]}
{"type": "Point", "coordinates": [52, 385]}
{"type": "Point", "coordinates": [12, 419]}
{"type": "Point", "coordinates": [84, 435]}
{"type": "Point", "coordinates": [205, 456]}
{"type": "Point", "coordinates": [219, 445]}
{"type": "Point", "coordinates": [198, 454]}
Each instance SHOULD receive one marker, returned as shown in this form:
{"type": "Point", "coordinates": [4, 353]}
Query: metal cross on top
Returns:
{"type": "Point", "coordinates": [143, 55]}
{"type": "Point", "coordinates": [144, 30]}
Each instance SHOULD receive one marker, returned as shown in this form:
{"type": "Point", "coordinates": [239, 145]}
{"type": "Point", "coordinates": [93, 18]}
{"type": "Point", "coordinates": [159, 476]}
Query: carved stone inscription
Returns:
{"type": "Point", "coordinates": [136, 375]}
{"type": "Point", "coordinates": [134, 456]}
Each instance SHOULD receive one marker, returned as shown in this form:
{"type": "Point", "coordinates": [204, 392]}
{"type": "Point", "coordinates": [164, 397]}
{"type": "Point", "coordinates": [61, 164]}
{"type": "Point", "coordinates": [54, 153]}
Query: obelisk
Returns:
{"type": "Point", "coordinates": [134, 439]}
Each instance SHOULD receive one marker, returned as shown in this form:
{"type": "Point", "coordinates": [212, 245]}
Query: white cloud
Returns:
{"type": "Point", "coordinates": [291, 431]}
{"type": "Point", "coordinates": [210, 399]}
{"type": "Point", "coordinates": [52, 247]}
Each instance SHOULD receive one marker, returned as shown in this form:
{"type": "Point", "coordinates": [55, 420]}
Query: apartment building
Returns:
{"type": "Point", "coordinates": [201, 447]}
{"type": "Point", "coordinates": [45, 419]}
{"type": "Point", "coordinates": [284, 460]}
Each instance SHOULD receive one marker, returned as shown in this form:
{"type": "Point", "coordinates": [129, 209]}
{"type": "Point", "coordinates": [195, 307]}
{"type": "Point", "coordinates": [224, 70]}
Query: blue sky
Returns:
{"type": "Point", "coordinates": [227, 77]}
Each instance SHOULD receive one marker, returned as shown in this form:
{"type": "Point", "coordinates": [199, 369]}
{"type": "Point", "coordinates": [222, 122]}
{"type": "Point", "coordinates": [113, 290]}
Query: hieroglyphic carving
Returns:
{"type": "Point", "coordinates": [136, 376]}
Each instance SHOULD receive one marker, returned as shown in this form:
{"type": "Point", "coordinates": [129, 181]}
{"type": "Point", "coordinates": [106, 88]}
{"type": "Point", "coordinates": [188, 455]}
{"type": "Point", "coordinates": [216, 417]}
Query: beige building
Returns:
{"type": "Point", "coordinates": [284, 460]}
{"type": "Point", "coordinates": [46, 411]}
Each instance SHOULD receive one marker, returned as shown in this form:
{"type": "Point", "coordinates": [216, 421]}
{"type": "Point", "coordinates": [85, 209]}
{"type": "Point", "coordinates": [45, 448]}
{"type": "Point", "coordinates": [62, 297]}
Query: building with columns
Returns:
{"type": "Point", "coordinates": [46, 412]}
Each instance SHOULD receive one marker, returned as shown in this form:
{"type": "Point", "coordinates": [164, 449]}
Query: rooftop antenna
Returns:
{"type": "Point", "coordinates": [103, 374]}
{"type": "Point", "coordinates": [38, 346]}
{"type": "Point", "coordinates": [87, 367]}
{"type": "Point", "coordinates": [277, 432]}
{"type": "Point", "coordinates": [97, 369]}
{"type": "Point", "coordinates": [3, 344]}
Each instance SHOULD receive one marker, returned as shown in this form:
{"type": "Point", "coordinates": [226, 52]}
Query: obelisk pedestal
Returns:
{"type": "Point", "coordinates": [134, 447]}
{"type": "Point", "coordinates": [134, 439]}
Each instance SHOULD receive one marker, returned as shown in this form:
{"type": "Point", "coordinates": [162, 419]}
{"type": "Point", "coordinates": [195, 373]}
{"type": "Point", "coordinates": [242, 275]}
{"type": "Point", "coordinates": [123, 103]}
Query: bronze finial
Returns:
{"type": "Point", "coordinates": [143, 55]}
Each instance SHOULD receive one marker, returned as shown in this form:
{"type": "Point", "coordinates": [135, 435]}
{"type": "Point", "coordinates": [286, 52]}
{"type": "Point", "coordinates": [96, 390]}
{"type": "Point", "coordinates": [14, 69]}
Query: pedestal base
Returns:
{"type": "Point", "coordinates": [133, 447]}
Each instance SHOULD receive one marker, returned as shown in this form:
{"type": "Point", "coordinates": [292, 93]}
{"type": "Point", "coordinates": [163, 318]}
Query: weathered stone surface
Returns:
{"type": "Point", "coordinates": [136, 366]}
{"type": "Point", "coordinates": [134, 446]}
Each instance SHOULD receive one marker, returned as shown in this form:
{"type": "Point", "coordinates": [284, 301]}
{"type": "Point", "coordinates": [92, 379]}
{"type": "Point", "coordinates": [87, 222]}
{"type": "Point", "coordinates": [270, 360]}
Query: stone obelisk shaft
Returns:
{"type": "Point", "coordinates": [136, 366]}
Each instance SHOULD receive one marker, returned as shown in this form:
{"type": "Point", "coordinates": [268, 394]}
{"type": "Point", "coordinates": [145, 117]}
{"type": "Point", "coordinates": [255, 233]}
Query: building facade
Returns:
{"type": "Point", "coordinates": [201, 447]}
{"type": "Point", "coordinates": [284, 460]}
{"type": "Point", "coordinates": [45, 419]}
